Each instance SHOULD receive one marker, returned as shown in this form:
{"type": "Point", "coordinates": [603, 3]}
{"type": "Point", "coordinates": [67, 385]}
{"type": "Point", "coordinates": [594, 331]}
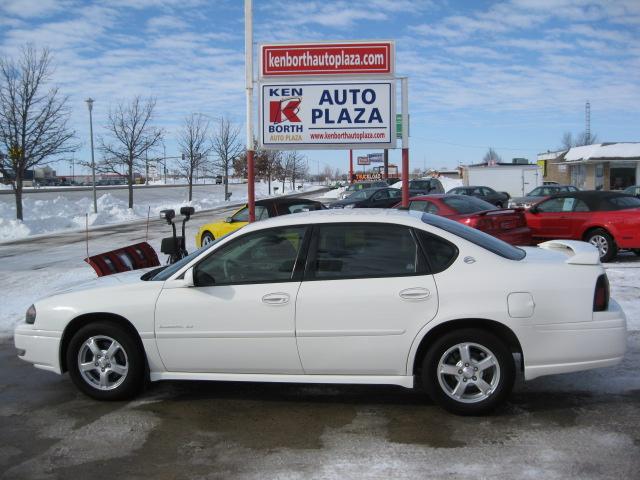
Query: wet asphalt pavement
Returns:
{"type": "Point", "coordinates": [583, 426]}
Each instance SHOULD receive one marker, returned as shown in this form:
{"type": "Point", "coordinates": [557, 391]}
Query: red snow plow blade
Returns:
{"type": "Point", "coordinates": [133, 257]}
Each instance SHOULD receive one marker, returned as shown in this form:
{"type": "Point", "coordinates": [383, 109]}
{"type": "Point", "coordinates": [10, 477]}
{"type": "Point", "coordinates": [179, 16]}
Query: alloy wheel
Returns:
{"type": "Point", "coordinates": [468, 372]}
{"type": "Point", "coordinates": [102, 362]}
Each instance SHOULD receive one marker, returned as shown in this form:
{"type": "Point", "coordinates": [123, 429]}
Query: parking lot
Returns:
{"type": "Point", "coordinates": [583, 425]}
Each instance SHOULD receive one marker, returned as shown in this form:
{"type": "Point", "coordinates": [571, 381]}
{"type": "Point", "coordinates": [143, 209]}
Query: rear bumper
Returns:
{"type": "Point", "coordinates": [40, 347]}
{"type": "Point", "coordinates": [517, 236]}
{"type": "Point", "coordinates": [572, 347]}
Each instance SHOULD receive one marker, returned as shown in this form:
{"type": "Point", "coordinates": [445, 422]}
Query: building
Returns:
{"type": "Point", "coordinates": [453, 173]}
{"type": "Point", "coordinates": [601, 166]}
{"type": "Point", "coordinates": [516, 178]}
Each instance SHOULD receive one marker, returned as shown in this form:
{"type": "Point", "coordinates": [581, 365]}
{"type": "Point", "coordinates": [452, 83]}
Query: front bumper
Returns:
{"type": "Point", "coordinates": [572, 347]}
{"type": "Point", "coordinates": [40, 347]}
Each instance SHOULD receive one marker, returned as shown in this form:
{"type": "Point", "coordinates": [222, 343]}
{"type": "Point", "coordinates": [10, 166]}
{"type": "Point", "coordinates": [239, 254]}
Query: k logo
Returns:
{"type": "Point", "coordinates": [286, 109]}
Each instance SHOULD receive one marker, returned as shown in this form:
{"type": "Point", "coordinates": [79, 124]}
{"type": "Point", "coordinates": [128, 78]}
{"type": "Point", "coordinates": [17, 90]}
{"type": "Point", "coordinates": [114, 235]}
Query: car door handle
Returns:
{"type": "Point", "coordinates": [416, 293]}
{"type": "Point", "coordinates": [276, 298]}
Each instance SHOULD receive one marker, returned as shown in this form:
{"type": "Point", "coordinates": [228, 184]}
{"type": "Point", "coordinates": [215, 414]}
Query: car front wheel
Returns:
{"type": "Point", "coordinates": [206, 239]}
{"type": "Point", "coordinates": [105, 362]}
{"type": "Point", "coordinates": [604, 242]}
{"type": "Point", "coordinates": [468, 372]}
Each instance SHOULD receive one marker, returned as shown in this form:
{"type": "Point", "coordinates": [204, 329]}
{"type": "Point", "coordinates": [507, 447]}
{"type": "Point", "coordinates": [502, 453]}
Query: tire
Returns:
{"type": "Point", "coordinates": [116, 377]}
{"type": "Point", "coordinates": [461, 391]}
{"type": "Point", "coordinates": [207, 238]}
{"type": "Point", "coordinates": [636, 251]}
{"type": "Point", "coordinates": [604, 242]}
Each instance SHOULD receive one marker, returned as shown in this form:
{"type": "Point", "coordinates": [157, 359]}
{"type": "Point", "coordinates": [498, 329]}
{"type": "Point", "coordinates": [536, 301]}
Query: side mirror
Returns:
{"type": "Point", "coordinates": [188, 278]}
{"type": "Point", "coordinates": [228, 220]}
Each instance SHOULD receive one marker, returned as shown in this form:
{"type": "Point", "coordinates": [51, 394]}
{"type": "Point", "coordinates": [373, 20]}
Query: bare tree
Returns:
{"type": "Point", "coordinates": [131, 136]}
{"type": "Point", "coordinates": [226, 146]}
{"type": "Point", "coordinates": [194, 143]}
{"type": "Point", "coordinates": [294, 166]}
{"type": "Point", "coordinates": [33, 122]}
{"type": "Point", "coordinates": [491, 157]}
{"type": "Point", "coordinates": [268, 164]}
{"type": "Point", "coordinates": [568, 141]}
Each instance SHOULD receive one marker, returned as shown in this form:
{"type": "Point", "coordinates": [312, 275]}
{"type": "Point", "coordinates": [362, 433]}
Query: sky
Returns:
{"type": "Point", "coordinates": [511, 75]}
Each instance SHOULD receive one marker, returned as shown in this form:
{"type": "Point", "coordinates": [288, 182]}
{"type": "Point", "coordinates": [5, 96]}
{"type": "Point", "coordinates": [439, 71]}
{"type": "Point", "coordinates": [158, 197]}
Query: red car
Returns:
{"type": "Point", "coordinates": [507, 224]}
{"type": "Point", "coordinates": [608, 220]}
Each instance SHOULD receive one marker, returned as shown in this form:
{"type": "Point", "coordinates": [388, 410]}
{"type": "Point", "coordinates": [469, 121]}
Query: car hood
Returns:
{"type": "Point", "coordinates": [107, 281]}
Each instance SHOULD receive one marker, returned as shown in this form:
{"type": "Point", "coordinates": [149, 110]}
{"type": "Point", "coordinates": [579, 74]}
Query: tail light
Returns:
{"type": "Point", "coordinates": [601, 295]}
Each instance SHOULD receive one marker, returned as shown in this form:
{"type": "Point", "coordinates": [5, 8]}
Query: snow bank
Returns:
{"type": "Point", "coordinates": [61, 213]}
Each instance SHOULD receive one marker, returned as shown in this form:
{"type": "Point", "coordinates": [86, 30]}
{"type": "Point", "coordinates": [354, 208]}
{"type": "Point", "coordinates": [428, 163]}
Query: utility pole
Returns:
{"type": "Point", "coordinates": [164, 161]}
{"type": "Point", "coordinates": [93, 161]}
{"type": "Point", "coordinates": [386, 163]}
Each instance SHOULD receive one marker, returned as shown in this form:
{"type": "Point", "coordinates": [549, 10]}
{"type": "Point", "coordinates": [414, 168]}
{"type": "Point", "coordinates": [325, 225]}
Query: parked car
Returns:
{"type": "Point", "coordinates": [365, 296]}
{"type": "Point", "coordinates": [270, 207]}
{"type": "Point", "coordinates": [499, 199]}
{"type": "Point", "coordinates": [218, 179]}
{"type": "Point", "coordinates": [539, 193]}
{"type": "Point", "coordinates": [608, 220]}
{"type": "Point", "coordinates": [633, 190]}
{"type": "Point", "coordinates": [354, 187]}
{"type": "Point", "coordinates": [508, 225]}
{"type": "Point", "coordinates": [370, 198]}
{"type": "Point", "coordinates": [425, 186]}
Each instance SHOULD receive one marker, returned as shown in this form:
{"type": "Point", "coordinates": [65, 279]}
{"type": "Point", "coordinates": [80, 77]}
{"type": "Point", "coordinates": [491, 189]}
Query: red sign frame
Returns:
{"type": "Point", "coordinates": [343, 58]}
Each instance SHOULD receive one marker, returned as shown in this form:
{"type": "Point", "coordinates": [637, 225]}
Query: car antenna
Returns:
{"type": "Point", "coordinates": [146, 236]}
{"type": "Point", "coordinates": [86, 227]}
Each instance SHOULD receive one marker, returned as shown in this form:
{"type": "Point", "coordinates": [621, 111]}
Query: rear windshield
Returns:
{"type": "Point", "coordinates": [468, 204]}
{"type": "Point", "coordinates": [472, 235]}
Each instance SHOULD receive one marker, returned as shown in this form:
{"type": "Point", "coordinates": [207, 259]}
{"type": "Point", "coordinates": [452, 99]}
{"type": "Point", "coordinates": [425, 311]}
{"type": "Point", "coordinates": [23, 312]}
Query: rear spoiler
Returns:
{"type": "Point", "coordinates": [579, 253]}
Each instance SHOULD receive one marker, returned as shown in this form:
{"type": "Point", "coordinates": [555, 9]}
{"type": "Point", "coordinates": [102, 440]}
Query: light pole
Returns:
{"type": "Point", "coordinates": [93, 161]}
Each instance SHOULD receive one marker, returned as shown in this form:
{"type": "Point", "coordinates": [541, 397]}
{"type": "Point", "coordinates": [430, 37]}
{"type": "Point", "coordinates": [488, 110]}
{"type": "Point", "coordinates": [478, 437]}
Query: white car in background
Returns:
{"type": "Point", "coordinates": [358, 296]}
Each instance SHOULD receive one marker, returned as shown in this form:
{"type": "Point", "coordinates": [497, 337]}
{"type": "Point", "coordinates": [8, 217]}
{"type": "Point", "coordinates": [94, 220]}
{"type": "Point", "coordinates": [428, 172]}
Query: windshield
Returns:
{"type": "Point", "coordinates": [472, 235]}
{"type": "Point", "coordinates": [622, 203]}
{"type": "Point", "coordinates": [169, 270]}
{"type": "Point", "coordinates": [361, 195]}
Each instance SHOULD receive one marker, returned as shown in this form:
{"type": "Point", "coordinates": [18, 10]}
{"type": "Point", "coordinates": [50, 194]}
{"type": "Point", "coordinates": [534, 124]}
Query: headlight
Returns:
{"type": "Point", "coordinates": [350, 205]}
{"type": "Point", "coordinates": [30, 317]}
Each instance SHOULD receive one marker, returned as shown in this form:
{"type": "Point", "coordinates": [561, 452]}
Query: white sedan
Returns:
{"type": "Point", "coordinates": [358, 296]}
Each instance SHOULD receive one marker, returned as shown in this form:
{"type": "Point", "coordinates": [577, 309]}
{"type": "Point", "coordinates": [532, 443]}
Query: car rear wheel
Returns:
{"type": "Point", "coordinates": [105, 362]}
{"type": "Point", "coordinates": [604, 242]}
{"type": "Point", "coordinates": [468, 372]}
{"type": "Point", "coordinates": [206, 239]}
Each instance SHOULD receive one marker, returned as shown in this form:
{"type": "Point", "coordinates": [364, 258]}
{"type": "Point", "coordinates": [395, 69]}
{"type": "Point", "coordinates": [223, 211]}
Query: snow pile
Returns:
{"type": "Point", "coordinates": [334, 193]}
{"type": "Point", "coordinates": [61, 213]}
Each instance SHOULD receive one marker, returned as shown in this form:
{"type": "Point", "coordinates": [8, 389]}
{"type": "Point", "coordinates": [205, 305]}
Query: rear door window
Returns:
{"type": "Point", "coordinates": [362, 250]}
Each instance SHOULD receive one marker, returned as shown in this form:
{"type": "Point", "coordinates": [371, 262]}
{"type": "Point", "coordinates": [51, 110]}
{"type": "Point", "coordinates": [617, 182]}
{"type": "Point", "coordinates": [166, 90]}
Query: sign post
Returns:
{"type": "Point", "coordinates": [405, 141]}
{"type": "Point", "coordinates": [248, 52]}
{"type": "Point", "coordinates": [350, 166]}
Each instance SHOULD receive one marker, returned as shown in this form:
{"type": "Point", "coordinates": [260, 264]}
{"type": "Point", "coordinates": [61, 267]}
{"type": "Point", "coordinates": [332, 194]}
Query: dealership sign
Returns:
{"type": "Point", "coordinates": [376, 157]}
{"type": "Point", "coordinates": [328, 114]}
{"type": "Point", "coordinates": [363, 160]}
{"type": "Point", "coordinates": [344, 58]}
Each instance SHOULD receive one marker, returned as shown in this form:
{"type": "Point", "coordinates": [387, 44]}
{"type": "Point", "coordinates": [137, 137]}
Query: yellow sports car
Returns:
{"type": "Point", "coordinates": [271, 207]}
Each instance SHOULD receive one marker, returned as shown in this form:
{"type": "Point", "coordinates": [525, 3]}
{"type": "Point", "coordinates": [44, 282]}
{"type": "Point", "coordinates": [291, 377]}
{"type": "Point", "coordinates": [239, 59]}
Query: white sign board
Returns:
{"type": "Point", "coordinates": [327, 115]}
